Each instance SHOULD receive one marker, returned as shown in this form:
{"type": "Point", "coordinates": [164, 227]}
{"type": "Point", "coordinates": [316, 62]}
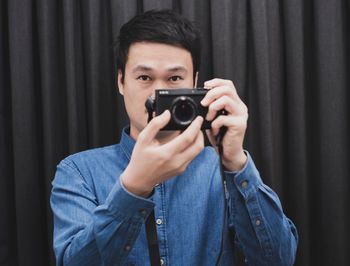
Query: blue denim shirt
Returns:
{"type": "Point", "coordinates": [98, 222]}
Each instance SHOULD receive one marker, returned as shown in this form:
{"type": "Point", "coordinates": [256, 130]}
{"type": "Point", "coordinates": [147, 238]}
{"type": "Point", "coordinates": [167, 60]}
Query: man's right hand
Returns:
{"type": "Point", "coordinates": [153, 163]}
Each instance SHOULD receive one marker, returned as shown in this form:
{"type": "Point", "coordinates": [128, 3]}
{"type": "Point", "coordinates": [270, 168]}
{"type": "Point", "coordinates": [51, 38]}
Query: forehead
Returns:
{"type": "Point", "coordinates": [158, 56]}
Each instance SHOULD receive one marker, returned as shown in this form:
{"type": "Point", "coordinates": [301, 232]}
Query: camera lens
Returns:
{"type": "Point", "coordinates": [183, 110]}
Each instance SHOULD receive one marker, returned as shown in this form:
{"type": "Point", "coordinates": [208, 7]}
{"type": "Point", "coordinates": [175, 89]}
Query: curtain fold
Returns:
{"type": "Point", "coordinates": [290, 63]}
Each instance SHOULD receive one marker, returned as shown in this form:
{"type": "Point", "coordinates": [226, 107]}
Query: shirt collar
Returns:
{"type": "Point", "coordinates": [127, 143]}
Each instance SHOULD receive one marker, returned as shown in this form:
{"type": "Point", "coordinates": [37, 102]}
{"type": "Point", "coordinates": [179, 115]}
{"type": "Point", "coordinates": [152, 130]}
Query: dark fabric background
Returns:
{"type": "Point", "coordinates": [289, 60]}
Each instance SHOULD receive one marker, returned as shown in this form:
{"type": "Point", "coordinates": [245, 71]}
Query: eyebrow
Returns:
{"type": "Point", "coordinates": [141, 68]}
{"type": "Point", "coordinates": [148, 68]}
{"type": "Point", "coordinates": [177, 68]}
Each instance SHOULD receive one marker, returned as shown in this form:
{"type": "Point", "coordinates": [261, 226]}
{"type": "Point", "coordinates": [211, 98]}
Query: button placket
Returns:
{"type": "Point", "coordinates": [161, 223]}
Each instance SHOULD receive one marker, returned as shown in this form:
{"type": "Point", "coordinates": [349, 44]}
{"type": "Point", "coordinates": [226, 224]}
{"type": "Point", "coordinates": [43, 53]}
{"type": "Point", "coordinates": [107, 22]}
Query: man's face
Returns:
{"type": "Point", "coordinates": [152, 66]}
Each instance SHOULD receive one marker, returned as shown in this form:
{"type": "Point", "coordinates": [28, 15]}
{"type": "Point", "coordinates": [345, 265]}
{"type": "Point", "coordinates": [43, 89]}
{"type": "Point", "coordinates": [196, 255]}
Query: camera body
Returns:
{"type": "Point", "coordinates": [184, 106]}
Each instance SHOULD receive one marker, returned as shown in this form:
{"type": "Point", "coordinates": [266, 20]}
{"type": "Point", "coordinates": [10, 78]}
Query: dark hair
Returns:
{"type": "Point", "coordinates": [160, 26]}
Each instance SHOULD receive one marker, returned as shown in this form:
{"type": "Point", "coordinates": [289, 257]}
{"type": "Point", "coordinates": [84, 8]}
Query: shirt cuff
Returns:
{"type": "Point", "coordinates": [246, 180]}
{"type": "Point", "coordinates": [122, 203]}
{"type": "Point", "coordinates": [240, 171]}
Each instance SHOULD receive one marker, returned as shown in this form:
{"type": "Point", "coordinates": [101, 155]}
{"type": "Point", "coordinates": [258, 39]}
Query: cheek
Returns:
{"type": "Point", "coordinates": [135, 97]}
{"type": "Point", "coordinates": [135, 102]}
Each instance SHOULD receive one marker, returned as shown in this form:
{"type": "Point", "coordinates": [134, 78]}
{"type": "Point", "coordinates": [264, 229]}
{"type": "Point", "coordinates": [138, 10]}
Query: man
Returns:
{"type": "Point", "coordinates": [102, 197]}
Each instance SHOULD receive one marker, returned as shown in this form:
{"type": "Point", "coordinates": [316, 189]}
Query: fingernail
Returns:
{"type": "Point", "coordinates": [200, 118]}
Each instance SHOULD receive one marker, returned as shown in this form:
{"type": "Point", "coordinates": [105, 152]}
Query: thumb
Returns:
{"type": "Point", "coordinates": [156, 124]}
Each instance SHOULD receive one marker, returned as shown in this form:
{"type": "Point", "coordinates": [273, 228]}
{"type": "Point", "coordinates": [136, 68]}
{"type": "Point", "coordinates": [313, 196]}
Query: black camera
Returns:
{"type": "Point", "coordinates": [183, 104]}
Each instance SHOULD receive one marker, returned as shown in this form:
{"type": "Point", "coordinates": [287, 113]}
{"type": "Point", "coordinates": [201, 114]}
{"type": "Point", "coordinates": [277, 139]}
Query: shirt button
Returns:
{"type": "Point", "coordinates": [257, 222]}
{"type": "Point", "coordinates": [127, 248]}
{"type": "Point", "coordinates": [159, 221]}
{"type": "Point", "coordinates": [244, 184]}
{"type": "Point", "coordinates": [162, 262]}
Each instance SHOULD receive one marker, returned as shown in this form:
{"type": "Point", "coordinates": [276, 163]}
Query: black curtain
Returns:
{"type": "Point", "coordinates": [290, 61]}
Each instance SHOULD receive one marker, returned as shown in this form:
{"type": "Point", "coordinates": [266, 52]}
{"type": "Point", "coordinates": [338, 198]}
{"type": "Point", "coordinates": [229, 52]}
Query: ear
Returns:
{"type": "Point", "coordinates": [196, 79]}
{"type": "Point", "coordinates": [120, 82]}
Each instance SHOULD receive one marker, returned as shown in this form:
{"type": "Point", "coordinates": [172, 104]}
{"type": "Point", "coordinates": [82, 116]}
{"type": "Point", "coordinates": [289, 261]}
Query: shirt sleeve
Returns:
{"type": "Point", "coordinates": [262, 232]}
{"type": "Point", "coordinates": [89, 233]}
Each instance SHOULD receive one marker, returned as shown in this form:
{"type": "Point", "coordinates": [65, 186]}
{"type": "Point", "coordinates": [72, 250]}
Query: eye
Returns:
{"type": "Point", "coordinates": [144, 78]}
{"type": "Point", "coordinates": [175, 78]}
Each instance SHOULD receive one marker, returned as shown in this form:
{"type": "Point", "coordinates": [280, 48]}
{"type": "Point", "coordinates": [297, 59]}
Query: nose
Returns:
{"type": "Point", "coordinates": [159, 84]}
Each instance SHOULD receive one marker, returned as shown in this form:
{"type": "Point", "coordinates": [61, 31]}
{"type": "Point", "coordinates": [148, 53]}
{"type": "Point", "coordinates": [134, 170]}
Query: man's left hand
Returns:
{"type": "Point", "coordinates": [222, 94]}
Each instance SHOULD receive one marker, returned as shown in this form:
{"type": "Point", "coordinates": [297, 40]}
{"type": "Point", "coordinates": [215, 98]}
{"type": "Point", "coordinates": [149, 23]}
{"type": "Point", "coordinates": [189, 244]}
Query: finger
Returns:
{"type": "Point", "coordinates": [225, 103]}
{"type": "Point", "coordinates": [186, 138]}
{"type": "Point", "coordinates": [218, 92]}
{"type": "Point", "coordinates": [217, 82]}
{"type": "Point", "coordinates": [154, 126]}
{"type": "Point", "coordinates": [236, 122]}
{"type": "Point", "coordinates": [187, 155]}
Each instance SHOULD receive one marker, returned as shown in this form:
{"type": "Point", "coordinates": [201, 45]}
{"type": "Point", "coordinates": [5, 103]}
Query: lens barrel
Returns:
{"type": "Point", "coordinates": [183, 110]}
